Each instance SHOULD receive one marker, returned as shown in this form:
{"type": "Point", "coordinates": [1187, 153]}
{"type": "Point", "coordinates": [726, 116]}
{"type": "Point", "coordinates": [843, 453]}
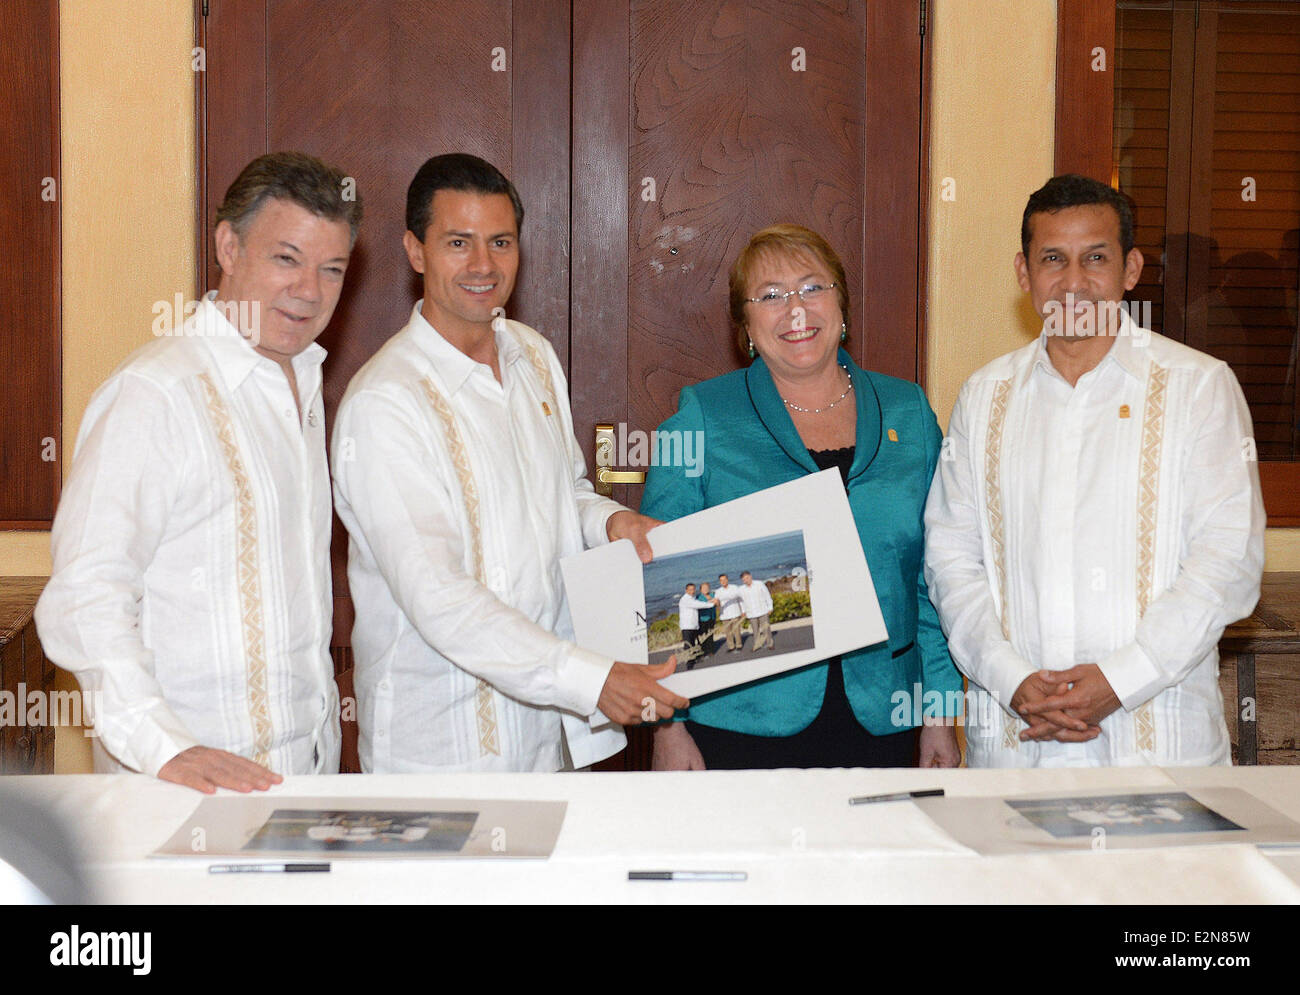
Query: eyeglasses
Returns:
{"type": "Point", "coordinates": [775, 299]}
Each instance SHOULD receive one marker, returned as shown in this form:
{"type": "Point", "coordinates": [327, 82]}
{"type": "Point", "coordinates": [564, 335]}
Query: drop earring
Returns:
{"type": "Point", "coordinates": [752, 351]}
{"type": "Point", "coordinates": [844, 331]}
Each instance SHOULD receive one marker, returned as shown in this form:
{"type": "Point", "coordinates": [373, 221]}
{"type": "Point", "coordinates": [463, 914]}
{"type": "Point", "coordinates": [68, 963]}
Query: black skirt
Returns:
{"type": "Point", "coordinates": [834, 739]}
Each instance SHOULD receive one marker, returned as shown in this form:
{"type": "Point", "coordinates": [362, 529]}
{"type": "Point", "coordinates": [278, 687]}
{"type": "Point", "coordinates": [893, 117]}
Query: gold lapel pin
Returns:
{"type": "Point", "coordinates": [1123, 410]}
{"type": "Point", "coordinates": [546, 408]}
{"type": "Point", "coordinates": [893, 436]}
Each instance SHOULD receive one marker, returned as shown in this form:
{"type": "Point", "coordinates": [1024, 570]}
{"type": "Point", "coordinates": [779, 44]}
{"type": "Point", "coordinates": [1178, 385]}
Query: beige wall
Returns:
{"type": "Point", "coordinates": [127, 107]}
{"type": "Point", "coordinates": [1282, 549]}
{"type": "Point", "coordinates": [991, 134]}
{"type": "Point", "coordinates": [991, 143]}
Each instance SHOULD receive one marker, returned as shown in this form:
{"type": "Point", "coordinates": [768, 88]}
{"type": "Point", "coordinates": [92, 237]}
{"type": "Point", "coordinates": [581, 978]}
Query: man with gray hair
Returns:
{"type": "Point", "coordinates": [757, 602]}
{"type": "Point", "coordinates": [191, 584]}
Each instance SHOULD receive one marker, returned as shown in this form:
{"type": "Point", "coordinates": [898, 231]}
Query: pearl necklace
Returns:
{"type": "Point", "coordinates": [816, 411]}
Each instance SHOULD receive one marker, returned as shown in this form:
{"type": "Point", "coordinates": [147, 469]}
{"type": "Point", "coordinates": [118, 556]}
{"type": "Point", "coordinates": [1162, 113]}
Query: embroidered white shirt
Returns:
{"type": "Point", "coordinates": [191, 587]}
{"type": "Point", "coordinates": [688, 611]}
{"type": "Point", "coordinates": [1118, 522]}
{"type": "Point", "coordinates": [729, 602]}
{"type": "Point", "coordinates": [460, 495]}
{"type": "Point", "coordinates": [756, 598]}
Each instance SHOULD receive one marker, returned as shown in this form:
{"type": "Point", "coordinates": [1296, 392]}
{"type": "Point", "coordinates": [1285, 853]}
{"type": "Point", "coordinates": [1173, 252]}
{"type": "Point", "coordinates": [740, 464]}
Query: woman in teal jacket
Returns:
{"type": "Point", "coordinates": [804, 405]}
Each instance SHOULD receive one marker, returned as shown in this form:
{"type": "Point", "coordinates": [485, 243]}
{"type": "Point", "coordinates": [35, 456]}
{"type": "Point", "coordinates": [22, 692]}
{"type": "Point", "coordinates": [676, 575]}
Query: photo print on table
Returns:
{"type": "Point", "coordinates": [1123, 815]}
{"type": "Point", "coordinates": [345, 831]}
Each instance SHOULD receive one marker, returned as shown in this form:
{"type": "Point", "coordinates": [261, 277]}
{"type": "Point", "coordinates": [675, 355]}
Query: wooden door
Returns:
{"type": "Point", "coordinates": [32, 426]}
{"type": "Point", "coordinates": [697, 124]}
{"type": "Point", "coordinates": [377, 87]}
{"type": "Point", "coordinates": [742, 112]}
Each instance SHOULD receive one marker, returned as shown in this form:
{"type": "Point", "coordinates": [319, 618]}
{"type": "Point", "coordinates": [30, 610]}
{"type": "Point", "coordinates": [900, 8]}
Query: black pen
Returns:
{"type": "Point", "coordinates": [897, 796]}
{"type": "Point", "coordinates": [687, 875]}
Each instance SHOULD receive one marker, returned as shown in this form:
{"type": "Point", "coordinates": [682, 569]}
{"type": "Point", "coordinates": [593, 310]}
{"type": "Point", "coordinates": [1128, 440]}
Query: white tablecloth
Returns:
{"type": "Point", "coordinates": [792, 832]}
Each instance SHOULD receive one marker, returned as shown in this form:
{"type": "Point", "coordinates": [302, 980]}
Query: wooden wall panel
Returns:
{"type": "Point", "coordinates": [744, 114]}
{"type": "Point", "coordinates": [30, 311]}
{"type": "Point", "coordinates": [27, 679]}
{"type": "Point", "coordinates": [599, 222]}
{"type": "Point", "coordinates": [232, 108]}
{"type": "Point", "coordinates": [1085, 97]}
{"type": "Point", "coordinates": [377, 89]}
{"type": "Point", "coordinates": [364, 90]}
{"type": "Point", "coordinates": [539, 164]}
{"type": "Point", "coordinates": [891, 320]}
{"type": "Point", "coordinates": [1206, 96]}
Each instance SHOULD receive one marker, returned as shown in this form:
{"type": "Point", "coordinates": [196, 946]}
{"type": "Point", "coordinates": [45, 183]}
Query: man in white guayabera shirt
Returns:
{"type": "Point", "coordinates": [461, 486]}
{"type": "Point", "coordinates": [757, 602]}
{"type": "Point", "coordinates": [731, 615]}
{"type": "Point", "coordinates": [1096, 519]}
{"type": "Point", "coordinates": [688, 619]}
{"type": "Point", "coordinates": [191, 585]}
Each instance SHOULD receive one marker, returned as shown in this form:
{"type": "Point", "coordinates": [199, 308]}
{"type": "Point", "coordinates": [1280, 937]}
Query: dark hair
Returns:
{"type": "Point", "coordinates": [1073, 190]}
{"type": "Point", "coordinates": [790, 240]}
{"type": "Point", "coordinates": [455, 171]}
{"type": "Point", "coordinates": [297, 178]}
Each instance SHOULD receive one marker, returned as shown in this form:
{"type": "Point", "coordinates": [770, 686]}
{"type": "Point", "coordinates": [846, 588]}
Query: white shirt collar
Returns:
{"type": "Point", "coordinates": [234, 354]}
{"type": "Point", "coordinates": [1128, 350]}
{"type": "Point", "coordinates": [453, 366]}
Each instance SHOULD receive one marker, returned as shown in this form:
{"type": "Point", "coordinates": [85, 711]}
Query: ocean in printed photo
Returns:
{"type": "Point", "coordinates": [767, 558]}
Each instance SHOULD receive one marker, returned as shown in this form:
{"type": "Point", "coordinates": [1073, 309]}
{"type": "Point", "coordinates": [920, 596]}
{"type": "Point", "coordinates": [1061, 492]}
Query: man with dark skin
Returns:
{"type": "Point", "coordinates": [1096, 518]}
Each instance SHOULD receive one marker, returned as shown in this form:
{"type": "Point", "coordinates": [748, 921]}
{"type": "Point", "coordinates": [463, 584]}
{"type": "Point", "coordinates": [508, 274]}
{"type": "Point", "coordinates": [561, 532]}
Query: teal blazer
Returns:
{"type": "Point", "coordinates": [750, 443]}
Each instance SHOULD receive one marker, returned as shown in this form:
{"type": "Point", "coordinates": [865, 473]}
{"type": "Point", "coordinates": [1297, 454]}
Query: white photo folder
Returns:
{"type": "Point", "coordinates": [607, 596]}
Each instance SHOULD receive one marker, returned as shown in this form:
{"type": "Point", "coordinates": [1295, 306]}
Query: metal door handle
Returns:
{"type": "Point", "coordinates": [606, 476]}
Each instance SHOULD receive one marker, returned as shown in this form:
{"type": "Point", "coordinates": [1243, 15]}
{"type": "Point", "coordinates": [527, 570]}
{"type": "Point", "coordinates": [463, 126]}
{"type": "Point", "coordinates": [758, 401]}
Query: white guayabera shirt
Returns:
{"type": "Point", "coordinates": [191, 588]}
{"type": "Point", "coordinates": [729, 602]}
{"type": "Point", "coordinates": [460, 495]}
{"type": "Point", "coordinates": [688, 611]}
{"type": "Point", "coordinates": [756, 599]}
{"type": "Point", "coordinates": [1119, 523]}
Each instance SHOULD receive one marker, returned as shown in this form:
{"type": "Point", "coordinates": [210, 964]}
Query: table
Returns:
{"type": "Point", "coordinates": [793, 832]}
{"type": "Point", "coordinates": [25, 673]}
{"type": "Point", "coordinates": [1273, 628]}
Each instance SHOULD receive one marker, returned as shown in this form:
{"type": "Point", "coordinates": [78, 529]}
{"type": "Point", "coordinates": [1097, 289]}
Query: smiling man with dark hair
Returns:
{"type": "Point", "coordinates": [461, 486]}
{"type": "Point", "coordinates": [1095, 521]}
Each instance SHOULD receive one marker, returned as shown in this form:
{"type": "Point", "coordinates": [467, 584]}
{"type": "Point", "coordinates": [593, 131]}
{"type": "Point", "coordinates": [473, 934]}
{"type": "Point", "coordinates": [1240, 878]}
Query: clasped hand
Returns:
{"type": "Point", "coordinates": [1064, 705]}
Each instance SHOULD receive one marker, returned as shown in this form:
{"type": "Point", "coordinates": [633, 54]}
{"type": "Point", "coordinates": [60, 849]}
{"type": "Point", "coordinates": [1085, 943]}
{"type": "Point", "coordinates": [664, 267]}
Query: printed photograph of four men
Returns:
{"type": "Point", "coordinates": [730, 603]}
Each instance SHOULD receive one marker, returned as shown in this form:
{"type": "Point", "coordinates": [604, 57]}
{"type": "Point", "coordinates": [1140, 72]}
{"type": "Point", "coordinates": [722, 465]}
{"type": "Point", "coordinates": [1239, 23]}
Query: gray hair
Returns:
{"type": "Point", "coordinates": [297, 178]}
